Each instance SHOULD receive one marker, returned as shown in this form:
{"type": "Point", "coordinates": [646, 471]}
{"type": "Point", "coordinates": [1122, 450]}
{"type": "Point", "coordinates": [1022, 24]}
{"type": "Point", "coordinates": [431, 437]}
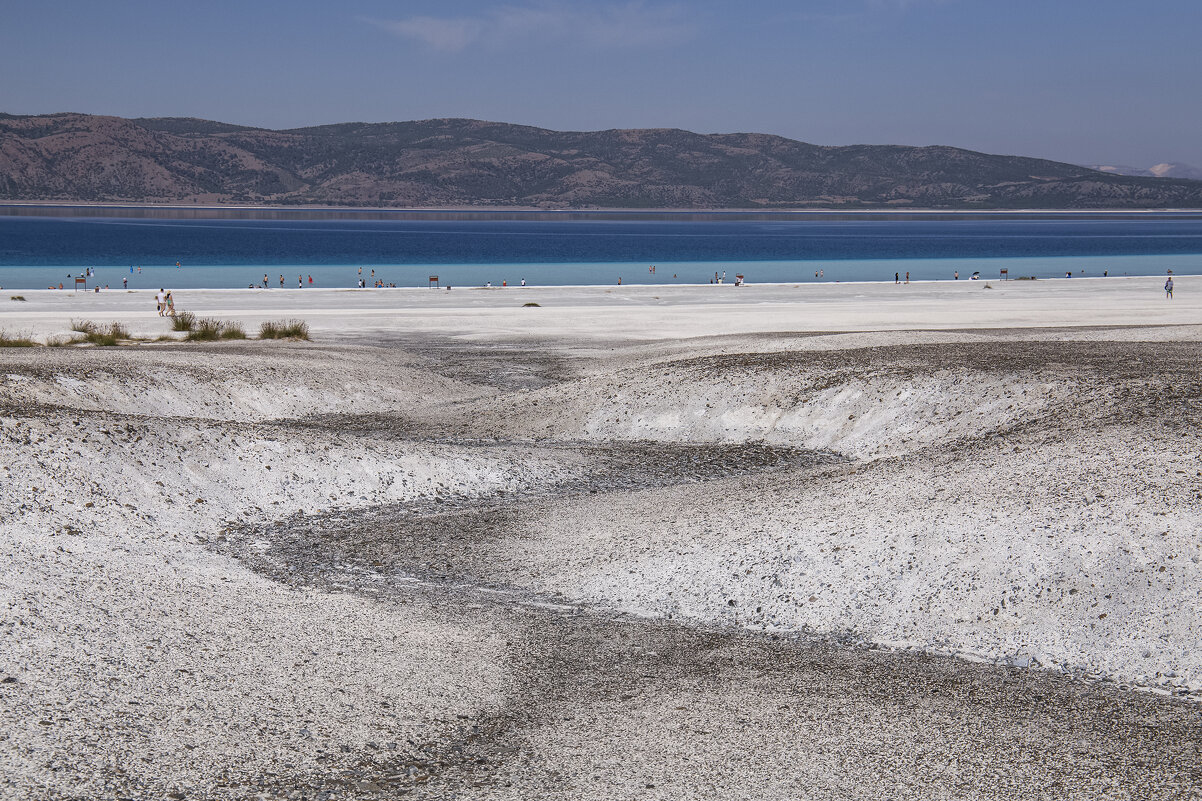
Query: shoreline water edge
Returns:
{"type": "Point", "coordinates": [342, 248]}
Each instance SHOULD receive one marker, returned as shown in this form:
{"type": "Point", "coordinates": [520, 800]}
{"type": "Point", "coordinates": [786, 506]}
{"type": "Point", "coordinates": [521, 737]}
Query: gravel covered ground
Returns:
{"type": "Point", "coordinates": [957, 564]}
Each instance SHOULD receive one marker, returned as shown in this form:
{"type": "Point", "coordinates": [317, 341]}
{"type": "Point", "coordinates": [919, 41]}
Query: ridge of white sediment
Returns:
{"type": "Point", "coordinates": [999, 484]}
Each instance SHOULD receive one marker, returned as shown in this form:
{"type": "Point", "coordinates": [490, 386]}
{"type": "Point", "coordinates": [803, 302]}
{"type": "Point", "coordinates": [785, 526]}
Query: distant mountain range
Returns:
{"type": "Point", "coordinates": [1166, 170]}
{"type": "Point", "coordinates": [469, 163]}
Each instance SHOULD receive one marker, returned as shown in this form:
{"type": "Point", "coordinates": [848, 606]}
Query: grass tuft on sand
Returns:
{"type": "Point", "coordinates": [233, 330]}
{"type": "Point", "coordinates": [184, 321]}
{"type": "Point", "coordinates": [96, 334]}
{"type": "Point", "coordinates": [212, 330]}
{"type": "Point", "coordinates": [16, 297]}
{"type": "Point", "coordinates": [206, 329]}
{"type": "Point", "coordinates": [284, 329]}
{"type": "Point", "coordinates": [107, 337]}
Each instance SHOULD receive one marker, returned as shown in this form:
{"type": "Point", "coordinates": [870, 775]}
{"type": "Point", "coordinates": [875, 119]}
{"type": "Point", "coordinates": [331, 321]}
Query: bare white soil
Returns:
{"type": "Point", "coordinates": [1012, 494]}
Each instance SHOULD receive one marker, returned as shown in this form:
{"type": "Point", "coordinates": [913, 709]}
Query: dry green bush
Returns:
{"type": "Point", "coordinates": [184, 321]}
{"type": "Point", "coordinates": [233, 330]}
{"type": "Point", "coordinates": [105, 337]}
{"type": "Point", "coordinates": [207, 329]}
{"type": "Point", "coordinates": [284, 329]}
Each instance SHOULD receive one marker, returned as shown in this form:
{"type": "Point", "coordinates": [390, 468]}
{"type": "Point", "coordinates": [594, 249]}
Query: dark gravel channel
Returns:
{"type": "Point", "coordinates": [435, 539]}
{"type": "Point", "coordinates": [603, 705]}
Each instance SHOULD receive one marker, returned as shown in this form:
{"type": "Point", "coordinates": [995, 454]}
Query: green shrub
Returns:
{"type": "Point", "coordinates": [284, 329]}
{"type": "Point", "coordinates": [233, 330]}
{"type": "Point", "coordinates": [296, 329]}
{"type": "Point", "coordinates": [206, 329]}
{"type": "Point", "coordinates": [529, 304]}
{"type": "Point", "coordinates": [17, 297]}
{"type": "Point", "coordinates": [106, 337]}
{"type": "Point", "coordinates": [98, 335]}
{"type": "Point", "coordinates": [184, 321]}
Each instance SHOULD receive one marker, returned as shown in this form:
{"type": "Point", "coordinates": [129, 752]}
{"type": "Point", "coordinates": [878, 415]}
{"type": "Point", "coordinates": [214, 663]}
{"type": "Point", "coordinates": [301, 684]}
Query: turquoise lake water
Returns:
{"type": "Point", "coordinates": [42, 246]}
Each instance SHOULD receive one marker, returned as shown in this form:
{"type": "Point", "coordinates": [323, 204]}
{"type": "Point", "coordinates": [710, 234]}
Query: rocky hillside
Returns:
{"type": "Point", "coordinates": [453, 162]}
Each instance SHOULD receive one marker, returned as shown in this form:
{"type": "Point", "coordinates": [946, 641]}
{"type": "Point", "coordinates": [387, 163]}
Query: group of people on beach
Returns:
{"type": "Point", "coordinates": [300, 282]}
{"type": "Point", "coordinates": [376, 283]}
{"type": "Point", "coordinates": [165, 302]}
{"type": "Point", "coordinates": [83, 277]}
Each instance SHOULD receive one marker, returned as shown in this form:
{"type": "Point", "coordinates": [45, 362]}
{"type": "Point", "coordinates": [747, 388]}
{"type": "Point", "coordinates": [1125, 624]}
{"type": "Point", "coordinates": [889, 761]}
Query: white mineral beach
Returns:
{"type": "Point", "coordinates": [640, 312]}
{"type": "Point", "coordinates": [672, 541]}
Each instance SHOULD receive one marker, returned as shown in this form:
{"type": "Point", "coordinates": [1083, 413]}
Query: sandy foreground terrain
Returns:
{"type": "Point", "coordinates": [849, 541]}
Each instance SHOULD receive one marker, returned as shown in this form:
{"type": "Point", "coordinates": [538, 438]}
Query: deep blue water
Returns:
{"type": "Point", "coordinates": [226, 248]}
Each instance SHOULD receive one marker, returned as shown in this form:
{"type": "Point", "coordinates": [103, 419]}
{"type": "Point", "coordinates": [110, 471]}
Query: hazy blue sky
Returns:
{"type": "Point", "coordinates": [1086, 81]}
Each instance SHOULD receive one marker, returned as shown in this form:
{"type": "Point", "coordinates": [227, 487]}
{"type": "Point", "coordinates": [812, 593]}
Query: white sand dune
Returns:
{"type": "Point", "coordinates": [1008, 474]}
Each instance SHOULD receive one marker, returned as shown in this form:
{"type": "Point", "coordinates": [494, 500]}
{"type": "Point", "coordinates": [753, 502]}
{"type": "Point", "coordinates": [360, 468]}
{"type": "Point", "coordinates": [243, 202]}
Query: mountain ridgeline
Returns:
{"type": "Point", "coordinates": [469, 163]}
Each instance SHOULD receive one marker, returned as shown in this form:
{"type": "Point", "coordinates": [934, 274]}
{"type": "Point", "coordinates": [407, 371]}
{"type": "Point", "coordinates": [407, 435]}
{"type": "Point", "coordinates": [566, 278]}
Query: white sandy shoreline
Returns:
{"type": "Point", "coordinates": [637, 311]}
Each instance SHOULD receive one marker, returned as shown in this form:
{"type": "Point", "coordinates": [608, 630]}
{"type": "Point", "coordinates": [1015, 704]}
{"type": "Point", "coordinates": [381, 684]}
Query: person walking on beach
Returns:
{"type": "Point", "coordinates": [170, 304]}
{"type": "Point", "coordinates": [281, 281]}
{"type": "Point", "coordinates": [160, 299]}
{"type": "Point", "coordinates": [125, 283]}
{"type": "Point", "coordinates": [300, 283]}
{"type": "Point", "coordinates": [896, 278]}
{"type": "Point", "coordinates": [1168, 288]}
{"type": "Point", "coordinates": [907, 276]}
